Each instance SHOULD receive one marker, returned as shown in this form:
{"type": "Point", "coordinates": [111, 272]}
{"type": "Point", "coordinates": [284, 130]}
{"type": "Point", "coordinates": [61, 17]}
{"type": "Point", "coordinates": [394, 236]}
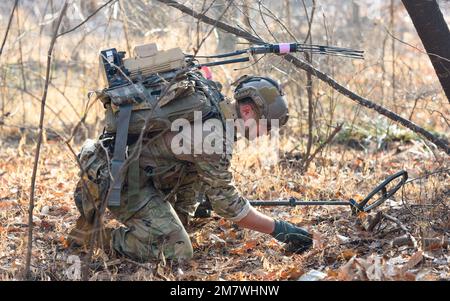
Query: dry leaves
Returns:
{"type": "Point", "coordinates": [376, 268]}
{"type": "Point", "coordinates": [343, 250]}
{"type": "Point", "coordinates": [247, 246]}
{"type": "Point", "coordinates": [347, 254]}
{"type": "Point", "coordinates": [291, 273]}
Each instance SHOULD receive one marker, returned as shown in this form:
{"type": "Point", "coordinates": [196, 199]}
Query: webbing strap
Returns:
{"type": "Point", "coordinates": [119, 156]}
{"type": "Point", "coordinates": [133, 185]}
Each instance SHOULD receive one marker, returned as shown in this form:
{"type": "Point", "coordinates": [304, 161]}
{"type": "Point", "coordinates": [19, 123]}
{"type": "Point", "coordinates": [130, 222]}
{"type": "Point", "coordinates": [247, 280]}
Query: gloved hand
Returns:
{"type": "Point", "coordinates": [297, 239]}
{"type": "Point", "coordinates": [204, 209]}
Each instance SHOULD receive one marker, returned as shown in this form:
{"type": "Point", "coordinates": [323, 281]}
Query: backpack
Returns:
{"type": "Point", "coordinates": [151, 105]}
{"type": "Point", "coordinates": [160, 100]}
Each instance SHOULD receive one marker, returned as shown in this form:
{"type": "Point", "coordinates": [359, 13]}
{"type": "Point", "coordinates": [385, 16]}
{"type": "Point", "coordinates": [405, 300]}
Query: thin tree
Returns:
{"type": "Point", "coordinates": [39, 141]}
{"type": "Point", "coordinates": [11, 16]}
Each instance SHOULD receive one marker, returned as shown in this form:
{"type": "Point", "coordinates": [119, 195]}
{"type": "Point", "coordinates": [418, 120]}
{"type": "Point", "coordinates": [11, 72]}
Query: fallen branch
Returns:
{"type": "Point", "coordinates": [403, 227]}
{"type": "Point", "coordinates": [428, 243]}
{"type": "Point", "coordinates": [319, 74]}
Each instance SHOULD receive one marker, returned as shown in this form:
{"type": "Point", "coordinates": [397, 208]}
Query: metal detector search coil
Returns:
{"type": "Point", "coordinates": [375, 198]}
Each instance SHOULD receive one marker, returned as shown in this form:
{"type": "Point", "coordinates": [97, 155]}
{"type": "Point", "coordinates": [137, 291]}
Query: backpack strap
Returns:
{"type": "Point", "coordinates": [120, 145]}
{"type": "Point", "coordinates": [125, 97]}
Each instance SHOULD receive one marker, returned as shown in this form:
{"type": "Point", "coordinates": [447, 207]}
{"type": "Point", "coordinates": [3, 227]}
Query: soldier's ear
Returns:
{"type": "Point", "coordinates": [246, 107]}
{"type": "Point", "coordinates": [246, 110]}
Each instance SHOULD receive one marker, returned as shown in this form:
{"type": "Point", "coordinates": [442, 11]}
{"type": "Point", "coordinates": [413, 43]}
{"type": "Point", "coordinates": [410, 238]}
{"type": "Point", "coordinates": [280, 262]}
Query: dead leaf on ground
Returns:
{"type": "Point", "coordinates": [47, 226]}
{"type": "Point", "coordinates": [270, 276]}
{"type": "Point", "coordinates": [249, 245]}
{"type": "Point", "coordinates": [64, 242]}
{"type": "Point", "coordinates": [296, 219]}
{"type": "Point", "coordinates": [345, 272]}
{"type": "Point", "coordinates": [362, 216]}
{"type": "Point", "coordinates": [224, 223]}
{"type": "Point", "coordinates": [6, 205]}
{"type": "Point", "coordinates": [293, 272]}
{"type": "Point", "coordinates": [413, 261]}
{"type": "Point", "coordinates": [347, 254]}
{"type": "Point", "coordinates": [332, 273]}
{"type": "Point", "coordinates": [318, 241]}
{"type": "Point", "coordinates": [374, 268]}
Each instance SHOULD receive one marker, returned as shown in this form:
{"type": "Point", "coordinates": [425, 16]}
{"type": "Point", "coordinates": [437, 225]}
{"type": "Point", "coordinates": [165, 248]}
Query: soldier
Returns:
{"type": "Point", "coordinates": [162, 188]}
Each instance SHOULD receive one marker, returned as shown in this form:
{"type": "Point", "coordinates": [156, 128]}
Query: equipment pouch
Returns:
{"type": "Point", "coordinates": [126, 94]}
{"type": "Point", "coordinates": [177, 90]}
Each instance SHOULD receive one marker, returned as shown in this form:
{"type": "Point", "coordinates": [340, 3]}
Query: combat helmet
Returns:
{"type": "Point", "coordinates": [266, 94]}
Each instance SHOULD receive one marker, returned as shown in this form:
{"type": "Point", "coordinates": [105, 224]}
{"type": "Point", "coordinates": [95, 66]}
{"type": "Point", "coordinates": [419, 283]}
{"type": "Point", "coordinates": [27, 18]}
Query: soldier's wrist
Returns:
{"type": "Point", "coordinates": [281, 230]}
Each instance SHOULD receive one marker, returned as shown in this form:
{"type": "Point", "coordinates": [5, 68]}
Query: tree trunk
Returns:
{"type": "Point", "coordinates": [435, 35]}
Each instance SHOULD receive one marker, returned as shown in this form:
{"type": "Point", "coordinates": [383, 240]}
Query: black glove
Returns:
{"type": "Point", "coordinates": [297, 239]}
{"type": "Point", "coordinates": [203, 209]}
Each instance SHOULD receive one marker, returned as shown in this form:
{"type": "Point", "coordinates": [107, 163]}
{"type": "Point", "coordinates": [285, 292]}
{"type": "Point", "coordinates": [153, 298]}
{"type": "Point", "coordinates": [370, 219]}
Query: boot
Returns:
{"type": "Point", "coordinates": [80, 235]}
{"type": "Point", "coordinates": [184, 218]}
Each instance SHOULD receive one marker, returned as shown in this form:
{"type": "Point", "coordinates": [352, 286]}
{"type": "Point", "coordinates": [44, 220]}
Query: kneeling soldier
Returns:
{"type": "Point", "coordinates": [161, 187]}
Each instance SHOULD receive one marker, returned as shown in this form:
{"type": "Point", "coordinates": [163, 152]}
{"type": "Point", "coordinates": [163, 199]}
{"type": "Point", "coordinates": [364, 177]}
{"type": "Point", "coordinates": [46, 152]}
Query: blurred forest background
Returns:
{"type": "Point", "coordinates": [332, 147]}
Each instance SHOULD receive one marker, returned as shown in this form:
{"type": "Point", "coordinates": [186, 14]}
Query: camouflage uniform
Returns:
{"type": "Point", "coordinates": [158, 189]}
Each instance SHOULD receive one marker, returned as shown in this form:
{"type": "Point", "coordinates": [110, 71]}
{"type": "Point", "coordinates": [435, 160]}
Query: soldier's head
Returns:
{"type": "Point", "coordinates": [260, 101]}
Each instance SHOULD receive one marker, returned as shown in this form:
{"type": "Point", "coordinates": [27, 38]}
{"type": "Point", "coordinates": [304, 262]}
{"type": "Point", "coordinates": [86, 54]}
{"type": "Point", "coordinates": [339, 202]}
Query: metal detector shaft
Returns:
{"type": "Point", "coordinates": [294, 202]}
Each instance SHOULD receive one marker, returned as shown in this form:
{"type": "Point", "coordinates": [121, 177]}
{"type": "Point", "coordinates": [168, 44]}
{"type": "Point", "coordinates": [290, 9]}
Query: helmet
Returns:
{"type": "Point", "coordinates": [266, 94]}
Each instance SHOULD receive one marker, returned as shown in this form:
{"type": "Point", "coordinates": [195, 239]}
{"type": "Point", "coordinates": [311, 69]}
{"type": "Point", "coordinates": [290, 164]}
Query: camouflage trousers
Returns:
{"type": "Point", "coordinates": [155, 230]}
{"type": "Point", "coordinates": [152, 231]}
{"type": "Point", "coordinates": [152, 224]}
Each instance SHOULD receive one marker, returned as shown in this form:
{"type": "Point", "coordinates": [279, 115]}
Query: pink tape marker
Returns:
{"type": "Point", "coordinates": [207, 72]}
{"type": "Point", "coordinates": [284, 47]}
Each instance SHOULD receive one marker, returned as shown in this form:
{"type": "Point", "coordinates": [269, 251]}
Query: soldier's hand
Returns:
{"type": "Point", "coordinates": [297, 239]}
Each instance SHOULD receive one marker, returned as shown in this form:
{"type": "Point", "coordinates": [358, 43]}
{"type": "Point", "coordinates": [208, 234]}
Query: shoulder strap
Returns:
{"type": "Point", "coordinates": [118, 159]}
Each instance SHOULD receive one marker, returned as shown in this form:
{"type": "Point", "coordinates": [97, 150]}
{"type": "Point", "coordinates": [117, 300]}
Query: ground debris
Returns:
{"type": "Point", "coordinates": [346, 246]}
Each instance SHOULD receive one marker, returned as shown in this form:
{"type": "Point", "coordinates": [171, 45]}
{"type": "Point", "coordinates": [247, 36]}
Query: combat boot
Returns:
{"type": "Point", "coordinates": [184, 218]}
{"type": "Point", "coordinates": [80, 235]}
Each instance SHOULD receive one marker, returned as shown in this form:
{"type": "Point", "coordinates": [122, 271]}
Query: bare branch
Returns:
{"type": "Point", "coordinates": [11, 16]}
{"type": "Point", "coordinates": [402, 226]}
{"type": "Point", "coordinates": [321, 146]}
{"type": "Point", "coordinates": [319, 74]}
{"type": "Point", "coordinates": [87, 19]}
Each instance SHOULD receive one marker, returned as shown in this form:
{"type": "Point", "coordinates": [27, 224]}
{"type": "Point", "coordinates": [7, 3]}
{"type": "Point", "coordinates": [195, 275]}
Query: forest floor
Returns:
{"type": "Point", "coordinates": [409, 241]}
